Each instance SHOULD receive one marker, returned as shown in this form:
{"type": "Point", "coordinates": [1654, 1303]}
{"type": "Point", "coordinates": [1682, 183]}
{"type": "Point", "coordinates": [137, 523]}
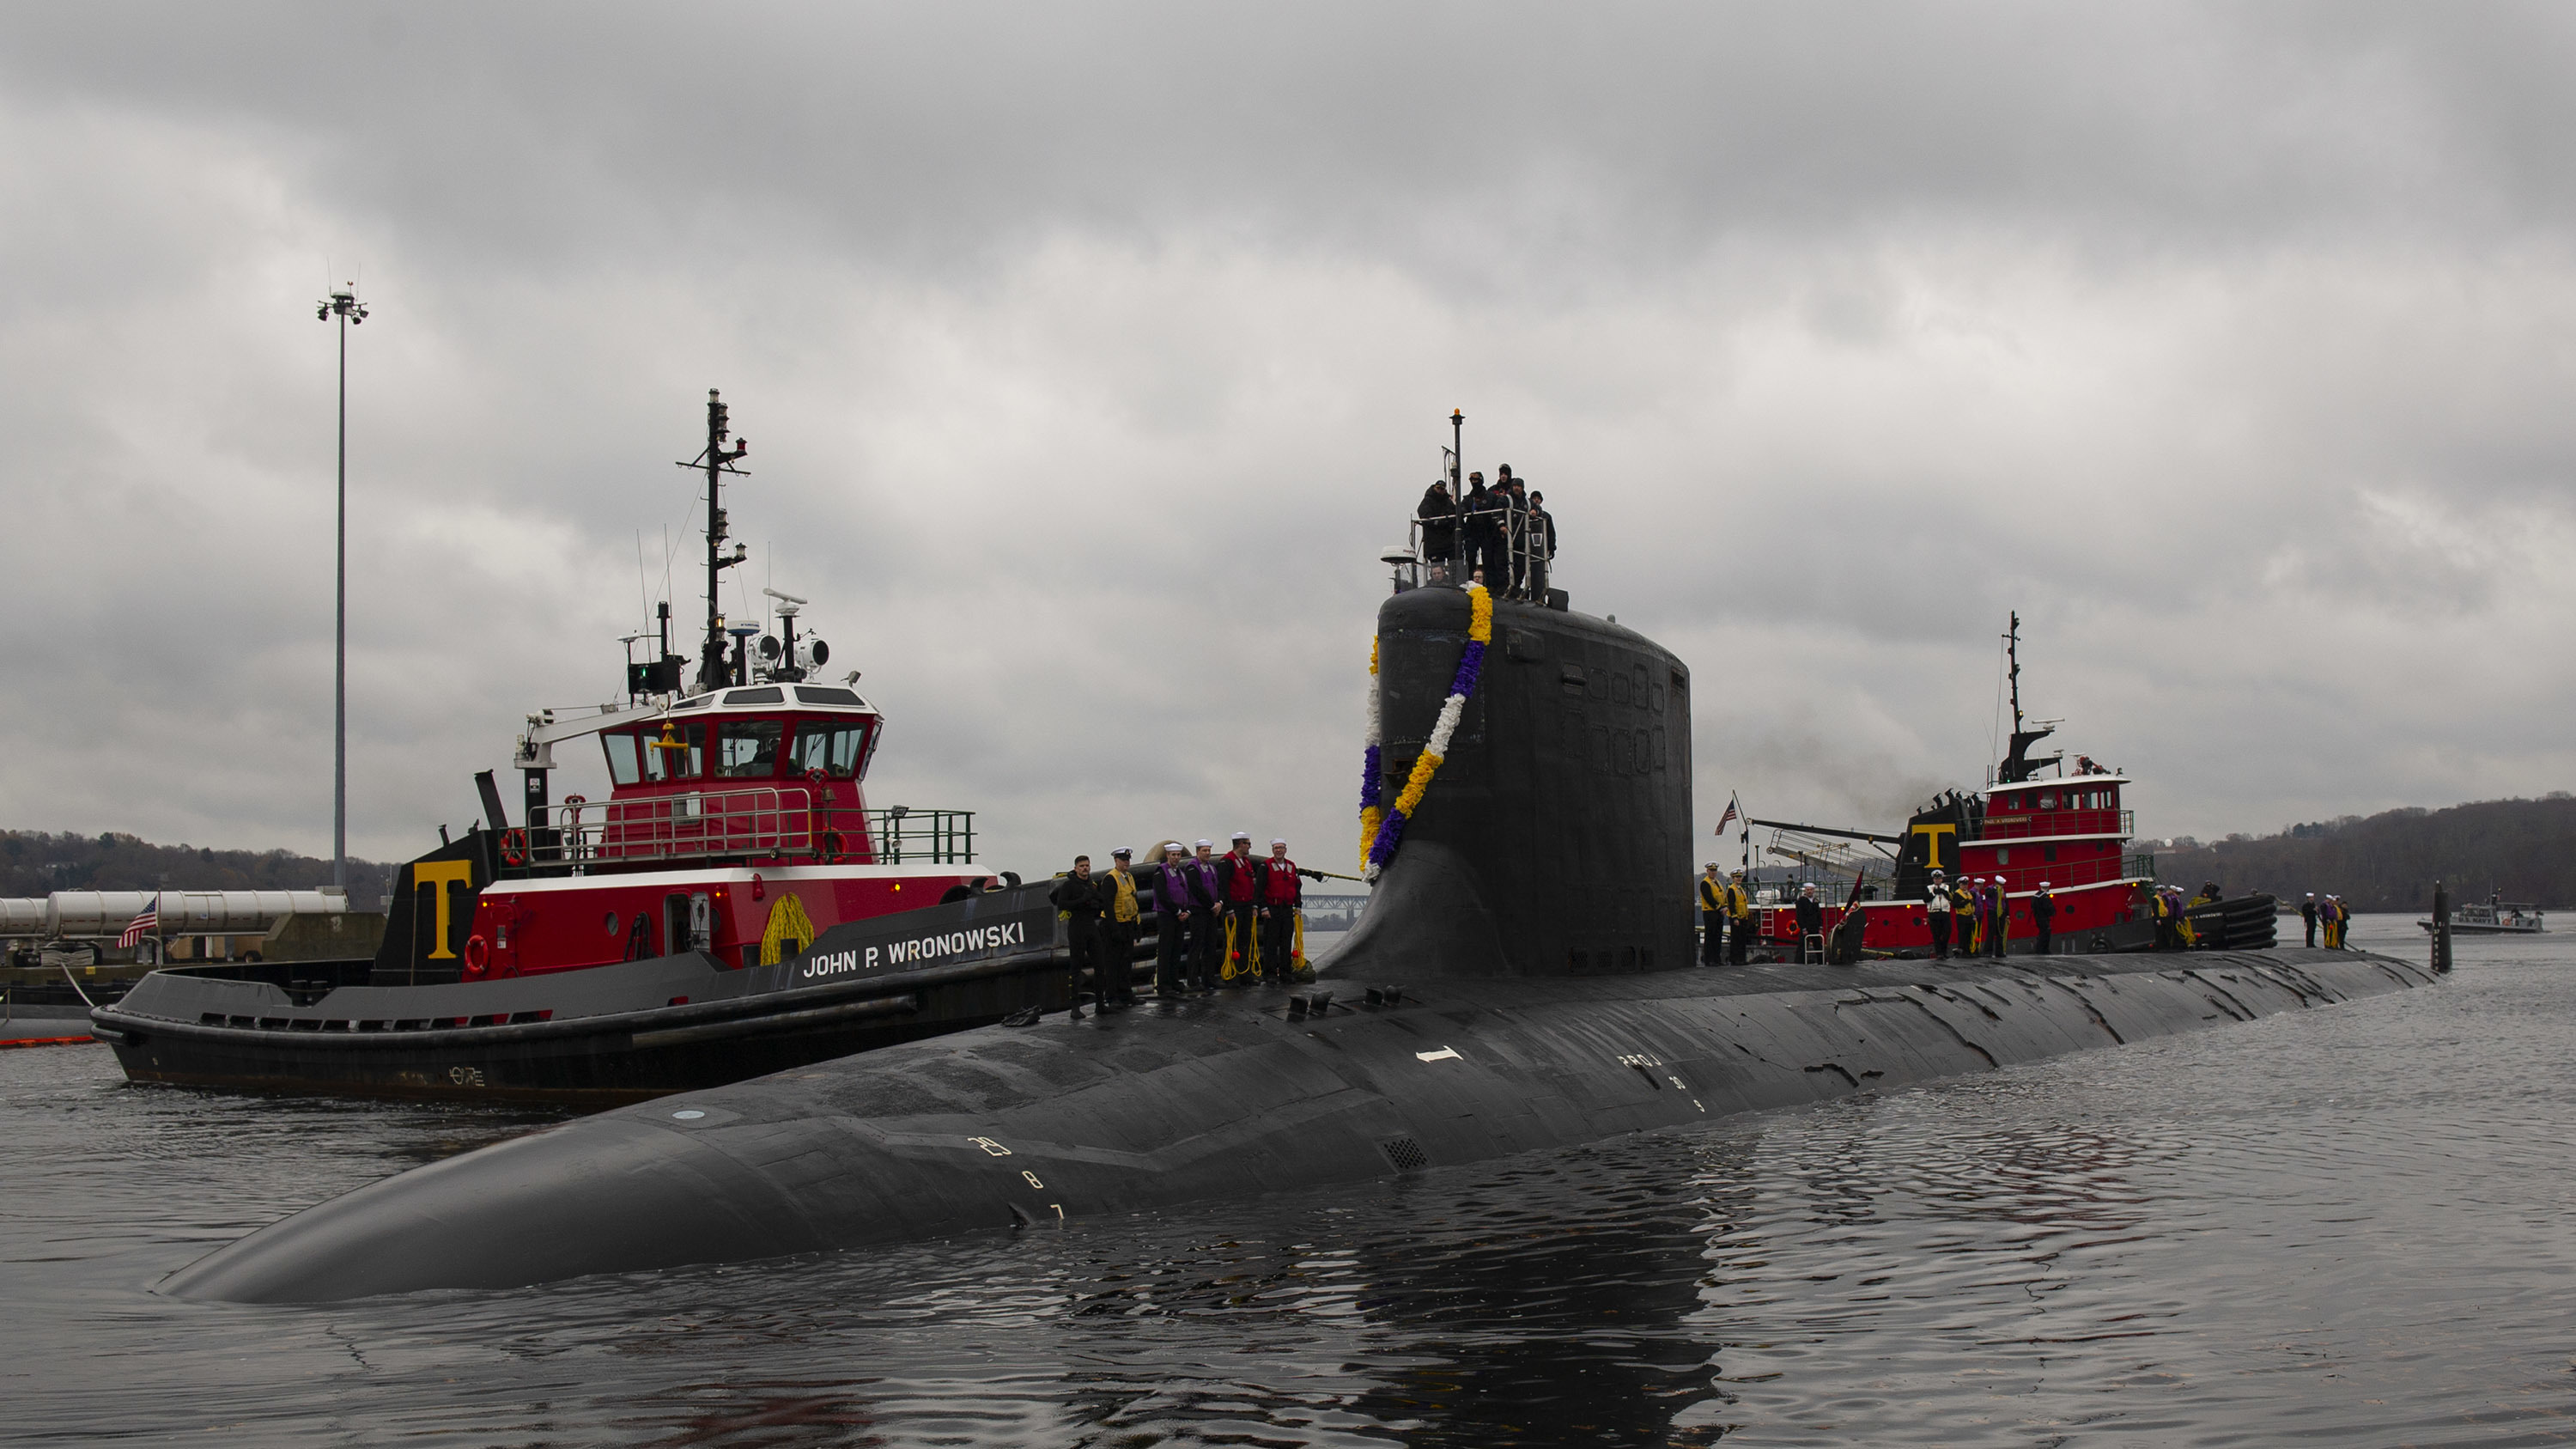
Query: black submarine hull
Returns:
{"type": "Point", "coordinates": [1204, 1100]}
{"type": "Point", "coordinates": [1521, 980]}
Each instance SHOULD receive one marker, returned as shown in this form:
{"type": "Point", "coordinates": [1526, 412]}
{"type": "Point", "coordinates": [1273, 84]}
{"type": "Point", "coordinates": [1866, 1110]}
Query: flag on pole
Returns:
{"type": "Point", "coordinates": [141, 926]}
{"type": "Point", "coordinates": [1726, 819]}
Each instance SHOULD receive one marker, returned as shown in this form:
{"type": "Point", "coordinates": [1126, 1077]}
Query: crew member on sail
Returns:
{"type": "Point", "coordinates": [2043, 909]}
{"type": "Point", "coordinates": [1936, 914]}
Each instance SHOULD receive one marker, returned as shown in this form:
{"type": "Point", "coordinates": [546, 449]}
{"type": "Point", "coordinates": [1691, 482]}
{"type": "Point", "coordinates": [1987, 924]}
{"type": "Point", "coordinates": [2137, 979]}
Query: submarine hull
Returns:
{"type": "Point", "coordinates": [1214, 1099]}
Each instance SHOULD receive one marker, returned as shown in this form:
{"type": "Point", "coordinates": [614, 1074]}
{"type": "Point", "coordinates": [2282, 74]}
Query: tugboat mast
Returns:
{"type": "Point", "coordinates": [718, 460]}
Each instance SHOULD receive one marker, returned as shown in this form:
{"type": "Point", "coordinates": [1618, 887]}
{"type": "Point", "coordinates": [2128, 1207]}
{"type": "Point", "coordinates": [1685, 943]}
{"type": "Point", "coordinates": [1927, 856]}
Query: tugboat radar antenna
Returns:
{"type": "Point", "coordinates": [717, 460]}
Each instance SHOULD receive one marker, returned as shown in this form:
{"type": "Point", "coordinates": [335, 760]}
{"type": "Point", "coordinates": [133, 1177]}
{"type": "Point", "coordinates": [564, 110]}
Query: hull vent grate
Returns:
{"type": "Point", "coordinates": [1405, 1154]}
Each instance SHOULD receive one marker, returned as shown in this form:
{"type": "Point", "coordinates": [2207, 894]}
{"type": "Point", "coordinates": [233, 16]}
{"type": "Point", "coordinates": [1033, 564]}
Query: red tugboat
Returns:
{"type": "Point", "coordinates": [733, 907]}
{"type": "Point", "coordinates": [2067, 829]}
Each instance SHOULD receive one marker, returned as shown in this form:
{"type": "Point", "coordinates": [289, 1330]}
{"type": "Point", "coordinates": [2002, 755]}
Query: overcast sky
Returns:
{"type": "Point", "coordinates": [1090, 354]}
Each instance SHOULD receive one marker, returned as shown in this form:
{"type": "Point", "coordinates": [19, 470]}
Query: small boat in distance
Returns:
{"type": "Point", "coordinates": [2494, 917]}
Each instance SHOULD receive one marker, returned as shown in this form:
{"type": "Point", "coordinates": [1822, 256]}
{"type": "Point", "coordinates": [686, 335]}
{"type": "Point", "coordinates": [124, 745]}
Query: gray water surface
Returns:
{"type": "Point", "coordinates": [2344, 1227]}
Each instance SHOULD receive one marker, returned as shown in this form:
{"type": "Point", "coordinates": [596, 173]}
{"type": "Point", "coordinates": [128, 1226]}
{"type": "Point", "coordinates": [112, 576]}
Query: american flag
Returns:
{"type": "Point", "coordinates": [1726, 819]}
{"type": "Point", "coordinates": [141, 926]}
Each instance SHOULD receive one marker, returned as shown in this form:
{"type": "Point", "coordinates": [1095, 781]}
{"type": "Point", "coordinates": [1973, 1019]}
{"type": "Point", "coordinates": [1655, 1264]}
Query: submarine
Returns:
{"type": "Point", "coordinates": [1522, 979]}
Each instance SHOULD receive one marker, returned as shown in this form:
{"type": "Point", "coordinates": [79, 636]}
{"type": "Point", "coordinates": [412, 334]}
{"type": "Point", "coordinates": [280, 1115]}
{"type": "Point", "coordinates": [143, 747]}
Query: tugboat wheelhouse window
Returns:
{"type": "Point", "coordinates": [829, 746]}
{"type": "Point", "coordinates": [678, 753]}
{"type": "Point", "coordinates": [748, 748]}
{"type": "Point", "coordinates": [623, 767]}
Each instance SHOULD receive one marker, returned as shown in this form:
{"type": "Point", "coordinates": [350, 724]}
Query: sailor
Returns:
{"type": "Point", "coordinates": [1207, 923]}
{"type": "Point", "coordinates": [1078, 896]}
{"type": "Point", "coordinates": [1281, 894]}
{"type": "Point", "coordinates": [1999, 926]}
{"type": "Point", "coordinates": [1542, 547]}
{"type": "Point", "coordinates": [2308, 917]}
{"type": "Point", "coordinates": [1936, 914]}
{"type": "Point", "coordinates": [1811, 919]}
{"type": "Point", "coordinates": [1438, 518]}
{"type": "Point", "coordinates": [1177, 907]}
{"type": "Point", "coordinates": [1963, 914]}
{"type": "Point", "coordinates": [2335, 918]}
{"type": "Point", "coordinates": [1712, 916]}
{"type": "Point", "coordinates": [1238, 890]}
{"type": "Point", "coordinates": [1481, 514]}
{"type": "Point", "coordinates": [1115, 979]}
{"type": "Point", "coordinates": [2043, 909]}
{"type": "Point", "coordinates": [1515, 511]}
{"type": "Point", "coordinates": [1739, 911]}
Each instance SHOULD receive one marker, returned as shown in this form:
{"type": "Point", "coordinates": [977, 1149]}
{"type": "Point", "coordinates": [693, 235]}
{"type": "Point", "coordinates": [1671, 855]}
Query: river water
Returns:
{"type": "Point", "coordinates": [2346, 1227]}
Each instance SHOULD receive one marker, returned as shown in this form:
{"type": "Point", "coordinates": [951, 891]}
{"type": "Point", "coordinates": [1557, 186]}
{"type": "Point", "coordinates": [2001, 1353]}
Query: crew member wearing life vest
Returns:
{"type": "Point", "coordinates": [1936, 913]}
{"type": "Point", "coordinates": [2043, 910]}
{"type": "Point", "coordinates": [1238, 890]}
{"type": "Point", "coordinates": [1712, 916]}
{"type": "Point", "coordinates": [1739, 915]}
{"type": "Point", "coordinates": [1281, 894]}
{"type": "Point", "coordinates": [1119, 914]}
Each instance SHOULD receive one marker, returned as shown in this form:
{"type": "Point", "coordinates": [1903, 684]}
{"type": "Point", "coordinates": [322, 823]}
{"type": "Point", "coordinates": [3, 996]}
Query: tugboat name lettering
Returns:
{"type": "Point", "coordinates": [925, 948]}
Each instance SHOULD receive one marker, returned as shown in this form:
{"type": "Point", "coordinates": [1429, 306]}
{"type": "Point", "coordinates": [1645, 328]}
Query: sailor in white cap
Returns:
{"type": "Point", "coordinates": [1936, 913]}
{"type": "Point", "coordinates": [1238, 888]}
{"type": "Point", "coordinates": [2043, 909]}
{"type": "Point", "coordinates": [1281, 894]}
{"type": "Point", "coordinates": [1114, 979]}
{"type": "Point", "coordinates": [1998, 918]}
{"type": "Point", "coordinates": [2308, 916]}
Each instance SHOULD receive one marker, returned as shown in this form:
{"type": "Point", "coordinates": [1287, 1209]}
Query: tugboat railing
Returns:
{"type": "Point", "coordinates": [766, 821]}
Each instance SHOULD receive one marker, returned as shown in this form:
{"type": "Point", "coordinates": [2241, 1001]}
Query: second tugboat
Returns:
{"type": "Point", "coordinates": [734, 907]}
{"type": "Point", "coordinates": [2037, 824]}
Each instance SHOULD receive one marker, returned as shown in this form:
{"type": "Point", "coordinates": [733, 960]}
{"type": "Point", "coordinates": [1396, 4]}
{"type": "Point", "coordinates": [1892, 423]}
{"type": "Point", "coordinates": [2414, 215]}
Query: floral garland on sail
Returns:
{"type": "Point", "coordinates": [1381, 831]}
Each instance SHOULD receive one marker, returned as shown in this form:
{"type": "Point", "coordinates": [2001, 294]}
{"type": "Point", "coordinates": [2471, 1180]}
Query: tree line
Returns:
{"type": "Point", "coordinates": [36, 863]}
{"type": "Point", "coordinates": [2522, 850]}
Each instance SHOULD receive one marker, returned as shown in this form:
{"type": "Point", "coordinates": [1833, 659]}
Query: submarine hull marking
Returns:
{"type": "Point", "coordinates": [1210, 1105]}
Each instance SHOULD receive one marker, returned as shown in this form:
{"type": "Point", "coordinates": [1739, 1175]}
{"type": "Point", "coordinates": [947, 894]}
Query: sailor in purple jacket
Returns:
{"type": "Point", "coordinates": [1178, 913]}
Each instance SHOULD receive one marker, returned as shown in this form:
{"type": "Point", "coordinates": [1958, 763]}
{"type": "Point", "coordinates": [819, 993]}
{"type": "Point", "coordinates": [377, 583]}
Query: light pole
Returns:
{"type": "Point", "coordinates": [344, 305]}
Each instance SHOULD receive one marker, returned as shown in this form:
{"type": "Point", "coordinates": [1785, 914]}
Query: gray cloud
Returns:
{"type": "Point", "coordinates": [1089, 356]}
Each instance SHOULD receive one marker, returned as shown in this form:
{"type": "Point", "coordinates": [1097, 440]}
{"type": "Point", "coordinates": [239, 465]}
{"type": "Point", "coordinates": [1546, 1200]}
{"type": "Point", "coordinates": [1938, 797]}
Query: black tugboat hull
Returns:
{"type": "Point", "coordinates": [594, 1038]}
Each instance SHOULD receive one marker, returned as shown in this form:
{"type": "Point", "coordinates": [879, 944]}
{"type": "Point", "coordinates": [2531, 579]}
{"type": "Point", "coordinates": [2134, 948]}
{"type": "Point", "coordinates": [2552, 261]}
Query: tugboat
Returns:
{"type": "Point", "coordinates": [2495, 917]}
{"type": "Point", "coordinates": [733, 907]}
{"type": "Point", "coordinates": [2068, 828]}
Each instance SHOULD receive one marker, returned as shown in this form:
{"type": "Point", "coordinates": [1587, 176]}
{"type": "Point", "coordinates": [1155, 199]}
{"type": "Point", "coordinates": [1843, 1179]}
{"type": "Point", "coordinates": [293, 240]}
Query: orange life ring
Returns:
{"type": "Point", "coordinates": [478, 956]}
{"type": "Point", "coordinates": [514, 846]}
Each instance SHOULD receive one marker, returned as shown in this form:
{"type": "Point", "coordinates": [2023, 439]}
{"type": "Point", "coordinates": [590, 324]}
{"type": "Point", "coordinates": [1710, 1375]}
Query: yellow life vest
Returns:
{"type": "Point", "coordinates": [1124, 907]}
